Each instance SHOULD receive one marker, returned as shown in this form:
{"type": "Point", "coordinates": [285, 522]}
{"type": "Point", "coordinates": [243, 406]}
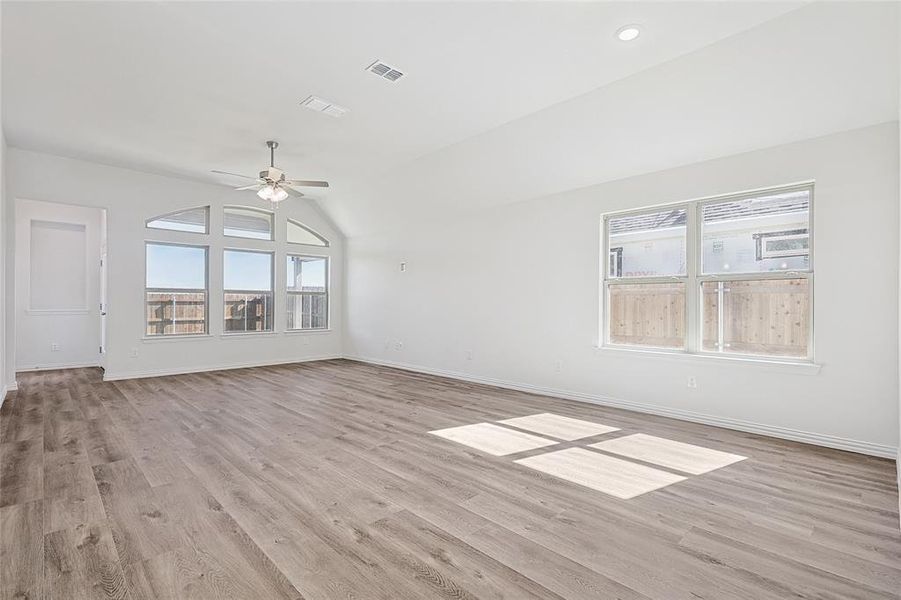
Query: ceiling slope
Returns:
{"type": "Point", "coordinates": [186, 87]}
{"type": "Point", "coordinates": [821, 69]}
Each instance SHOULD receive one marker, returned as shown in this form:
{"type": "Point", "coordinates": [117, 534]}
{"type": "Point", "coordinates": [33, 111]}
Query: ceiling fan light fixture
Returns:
{"type": "Point", "coordinates": [266, 192]}
{"type": "Point", "coordinates": [278, 194]}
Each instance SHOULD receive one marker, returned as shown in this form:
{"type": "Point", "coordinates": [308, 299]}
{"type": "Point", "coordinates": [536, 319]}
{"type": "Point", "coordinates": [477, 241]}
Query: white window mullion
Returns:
{"type": "Point", "coordinates": [692, 290]}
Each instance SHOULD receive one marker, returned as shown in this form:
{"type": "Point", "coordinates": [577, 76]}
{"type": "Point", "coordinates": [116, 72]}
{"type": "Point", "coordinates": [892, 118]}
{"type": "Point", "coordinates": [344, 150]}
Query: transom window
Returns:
{"type": "Point", "coordinates": [192, 220]}
{"type": "Point", "coordinates": [298, 233]}
{"type": "Point", "coordinates": [245, 222]}
{"type": "Point", "coordinates": [728, 275]}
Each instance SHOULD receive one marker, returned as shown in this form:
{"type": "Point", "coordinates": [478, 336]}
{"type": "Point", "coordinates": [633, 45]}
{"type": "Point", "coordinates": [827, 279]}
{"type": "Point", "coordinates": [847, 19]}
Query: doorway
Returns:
{"type": "Point", "coordinates": [59, 285]}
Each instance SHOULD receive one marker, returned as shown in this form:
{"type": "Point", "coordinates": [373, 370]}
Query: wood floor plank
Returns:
{"type": "Point", "coordinates": [82, 564]}
{"type": "Point", "coordinates": [21, 551]}
{"type": "Point", "coordinates": [321, 480]}
{"type": "Point", "coordinates": [21, 471]}
{"type": "Point", "coordinates": [142, 528]}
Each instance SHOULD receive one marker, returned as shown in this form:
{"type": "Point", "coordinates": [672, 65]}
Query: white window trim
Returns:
{"type": "Point", "coordinates": [695, 277]}
{"type": "Point", "coordinates": [272, 320]}
{"type": "Point", "coordinates": [205, 290]}
{"type": "Point", "coordinates": [327, 294]}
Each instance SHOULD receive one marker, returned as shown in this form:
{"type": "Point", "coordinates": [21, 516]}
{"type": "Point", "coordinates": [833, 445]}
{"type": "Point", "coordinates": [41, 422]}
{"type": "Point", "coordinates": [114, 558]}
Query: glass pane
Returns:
{"type": "Point", "coordinates": [762, 234]}
{"type": "Point", "coordinates": [172, 313]}
{"type": "Point", "coordinates": [193, 220]}
{"type": "Point", "coordinates": [647, 245]}
{"type": "Point", "coordinates": [770, 317]}
{"type": "Point", "coordinates": [248, 223]}
{"type": "Point", "coordinates": [176, 267]}
{"type": "Point", "coordinates": [298, 234]}
{"type": "Point", "coordinates": [647, 314]}
{"type": "Point", "coordinates": [248, 312]}
{"type": "Point", "coordinates": [307, 311]}
{"type": "Point", "coordinates": [247, 271]}
{"type": "Point", "coordinates": [307, 274]}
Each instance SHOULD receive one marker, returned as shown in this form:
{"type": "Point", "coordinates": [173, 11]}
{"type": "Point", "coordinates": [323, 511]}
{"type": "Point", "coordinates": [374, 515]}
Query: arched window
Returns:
{"type": "Point", "coordinates": [192, 220]}
{"type": "Point", "coordinates": [247, 222]}
{"type": "Point", "coordinates": [298, 233]}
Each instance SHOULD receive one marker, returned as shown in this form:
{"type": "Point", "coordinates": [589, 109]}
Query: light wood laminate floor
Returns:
{"type": "Point", "coordinates": [320, 480]}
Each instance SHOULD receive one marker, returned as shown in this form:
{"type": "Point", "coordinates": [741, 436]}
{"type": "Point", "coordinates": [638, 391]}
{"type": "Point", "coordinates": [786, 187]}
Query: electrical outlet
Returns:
{"type": "Point", "coordinates": [54, 347]}
{"type": "Point", "coordinates": [469, 355]}
{"type": "Point", "coordinates": [692, 382]}
{"type": "Point", "coordinates": [558, 365]}
{"type": "Point", "coordinates": [403, 267]}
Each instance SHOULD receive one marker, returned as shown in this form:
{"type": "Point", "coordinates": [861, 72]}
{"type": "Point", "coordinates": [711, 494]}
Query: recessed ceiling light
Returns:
{"type": "Point", "coordinates": [627, 33]}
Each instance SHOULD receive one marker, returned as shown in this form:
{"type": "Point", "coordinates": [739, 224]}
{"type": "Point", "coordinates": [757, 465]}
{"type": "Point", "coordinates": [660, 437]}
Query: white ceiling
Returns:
{"type": "Point", "coordinates": [501, 101]}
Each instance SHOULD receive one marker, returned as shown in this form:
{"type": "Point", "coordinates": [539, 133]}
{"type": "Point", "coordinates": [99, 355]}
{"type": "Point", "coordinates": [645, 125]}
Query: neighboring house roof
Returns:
{"type": "Point", "coordinates": [790, 202]}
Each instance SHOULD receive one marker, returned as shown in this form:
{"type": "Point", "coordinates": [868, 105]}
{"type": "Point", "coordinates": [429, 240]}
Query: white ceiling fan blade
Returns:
{"type": "Point", "coordinates": [307, 183]}
{"type": "Point", "coordinates": [232, 174]}
{"type": "Point", "coordinates": [291, 191]}
{"type": "Point", "coordinates": [254, 186]}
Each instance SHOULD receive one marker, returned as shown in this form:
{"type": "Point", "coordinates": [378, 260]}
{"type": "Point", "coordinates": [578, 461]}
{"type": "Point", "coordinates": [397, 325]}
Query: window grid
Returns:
{"type": "Point", "coordinates": [695, 279]}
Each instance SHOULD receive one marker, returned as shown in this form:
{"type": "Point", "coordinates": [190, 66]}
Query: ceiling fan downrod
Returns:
{"type": "Point", "coordinates": [272, 146]}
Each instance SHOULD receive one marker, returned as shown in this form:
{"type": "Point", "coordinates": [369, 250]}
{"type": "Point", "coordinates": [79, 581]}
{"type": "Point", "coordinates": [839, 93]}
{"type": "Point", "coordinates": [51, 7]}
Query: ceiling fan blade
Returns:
{"type": "Point", "coordinates": [305, 183]}
{"type": "Point", "coordinates": [291, 191]}
{"type": "Point", "coordinates": [254, 186]}
{"type": "Point", "coordinates": [232, 174]}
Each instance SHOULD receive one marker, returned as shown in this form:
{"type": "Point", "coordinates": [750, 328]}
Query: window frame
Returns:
{"type": "Point", "coordinates": [205, 291]}
{"type": "Point", "coordinates": [327, 293]}
{"type": "Point", "coordinates": [269, 213]}
{"type": "Point", "coordinates": [272, 255]}
{"type": "Point", "coordinates": [695, 277]}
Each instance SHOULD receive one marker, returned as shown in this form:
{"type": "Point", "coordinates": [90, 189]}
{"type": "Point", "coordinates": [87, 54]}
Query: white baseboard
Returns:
{"type": "Point", "coordinates": [796, 435]}
{"type": "Point", "coordinates": [118, 376]}
{"type": "Point", "coordinates": [56, 366]}
{"type": "Point", "coordinates": [12, 387]}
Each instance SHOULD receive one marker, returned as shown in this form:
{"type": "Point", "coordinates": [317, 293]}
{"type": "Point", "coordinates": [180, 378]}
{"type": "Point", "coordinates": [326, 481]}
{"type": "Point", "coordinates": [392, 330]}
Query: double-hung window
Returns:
{"type": "Point", "coordinates": [175, 294]}
{"type": "Point", "coordinates": [730, 275]}
{"type": "Point", "coordinates": [247, 280]}
{"type": "Point", "coordinates": [307, 289]}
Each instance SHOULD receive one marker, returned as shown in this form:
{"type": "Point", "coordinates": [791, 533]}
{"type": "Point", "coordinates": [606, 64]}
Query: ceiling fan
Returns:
{"type": "Point", "coordinates": [271, 184]}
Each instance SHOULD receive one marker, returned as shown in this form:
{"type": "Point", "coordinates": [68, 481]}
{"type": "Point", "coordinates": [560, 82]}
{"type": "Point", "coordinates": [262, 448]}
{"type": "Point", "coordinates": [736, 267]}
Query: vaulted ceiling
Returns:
{"type": "Point", "coordinates": [500, 101]}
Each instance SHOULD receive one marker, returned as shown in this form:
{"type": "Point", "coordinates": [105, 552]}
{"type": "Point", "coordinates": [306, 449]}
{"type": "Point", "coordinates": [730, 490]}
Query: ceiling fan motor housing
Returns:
{"type": "Point", "coordinates": [272, 174]}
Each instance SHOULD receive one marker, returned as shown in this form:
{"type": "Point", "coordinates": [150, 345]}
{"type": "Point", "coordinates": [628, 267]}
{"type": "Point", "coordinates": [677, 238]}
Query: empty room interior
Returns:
{"type": "Point", "coordinates": [475, 300]}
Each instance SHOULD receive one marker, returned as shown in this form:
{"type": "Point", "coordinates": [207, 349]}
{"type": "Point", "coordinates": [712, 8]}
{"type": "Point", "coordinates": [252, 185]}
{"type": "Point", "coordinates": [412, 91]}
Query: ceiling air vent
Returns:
{"type": "Point", "coordinates": [323, 106]}
{"type": "Point", "coordinates": [386, 71]}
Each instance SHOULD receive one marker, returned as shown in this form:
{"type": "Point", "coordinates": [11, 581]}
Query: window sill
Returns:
{"type": "Point", "coordinates": [308, 331]}
{"type": "Point", "coordinates": [772, 364]}
{"type": "Point", "coordinates": [241, 334]}
{"type": "Point", "coordinates": [153, 339]}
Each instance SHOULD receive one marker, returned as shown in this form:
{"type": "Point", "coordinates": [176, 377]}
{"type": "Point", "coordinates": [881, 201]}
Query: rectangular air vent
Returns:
{"type": "Point", "coordinates": [385, 71]}
{"type": "Point", "coordinates": [323, 106]}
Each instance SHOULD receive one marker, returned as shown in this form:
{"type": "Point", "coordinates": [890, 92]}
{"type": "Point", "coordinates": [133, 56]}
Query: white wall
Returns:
{"type": "Point", "coordinates": [57, 301]}
{"type": "Point", "coordinates": [517, 286]}
{"type": "Point", "coordinates": [131, 197]}
{"type": "Point", "coordinates": [5, 342]}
